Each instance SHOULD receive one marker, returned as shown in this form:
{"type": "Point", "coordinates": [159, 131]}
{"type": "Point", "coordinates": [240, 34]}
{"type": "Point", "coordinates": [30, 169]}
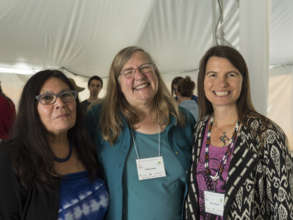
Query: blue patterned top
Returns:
{"type": "Point", "coordinates": [81, 199]}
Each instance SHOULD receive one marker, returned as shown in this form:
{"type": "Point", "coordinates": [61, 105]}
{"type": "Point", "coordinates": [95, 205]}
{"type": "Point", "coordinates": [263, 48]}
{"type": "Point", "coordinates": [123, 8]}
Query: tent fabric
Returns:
{"type": "Point", "coordinates": [83, 37]}
{"type": "Point", "coordinates": [254, 41]}
{"type": "Point", "coordinates": [280, 99]}
{"type": "Point", "coordinates": [80, 35]}
{"type": "Point", "coordinates": [281, 32]}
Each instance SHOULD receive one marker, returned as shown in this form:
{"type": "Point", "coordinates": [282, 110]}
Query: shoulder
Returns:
{"type": "Point", "coordinates": [5, 102]}
{"type": "Point", "coordinates": [188, 118]}
{"type": "Point", "coordinates": [10, 188]}
{"type": "Point", "coordinates": [188, 104]}
{"type": "Point", "coordinates": [8, 150]}
{"type": "Point", "coordinates": [92, 115]}
{"type": "Point", "coordinates": [194, 98]}
{"type": "Point", "coordinates": [92, 120]}
{"type": "Point", "coordinates": [2, 99]}
{"type": "Point", "coordinates": [7, 172]}
{"type": "Point", "coordinates": [84, 104]}
{"type": "Point", "coordinates": [200, 125]}
{"type": "Point", "coordinates": [265, 135]}
{"type": "Point", "coordinates": [95, 109]}
{"type": "Point", "coordinates": [184, 131]}
{"type": "Point", "coordinates": [5, 158]}
{"type": "Point", "coordinates": [264, 126]}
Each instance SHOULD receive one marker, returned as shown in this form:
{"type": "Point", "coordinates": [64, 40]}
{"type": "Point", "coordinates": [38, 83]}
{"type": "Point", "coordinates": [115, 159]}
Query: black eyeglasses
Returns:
{"type": "Point", "coordinates": [48, 98]}
{"type": "Point", "coordinates": [144, 68]}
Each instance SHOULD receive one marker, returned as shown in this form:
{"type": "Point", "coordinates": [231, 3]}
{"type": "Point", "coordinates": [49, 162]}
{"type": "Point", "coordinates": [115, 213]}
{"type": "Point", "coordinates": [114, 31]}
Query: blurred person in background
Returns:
{"type": "Point", "coordinates": [7, 115]}
{"type": "Point", "coordinates": [95, 85]}
{"type": "Point", "coordinates": [184, 92]}
{"type": "Point", "coordinates": [174, 87]}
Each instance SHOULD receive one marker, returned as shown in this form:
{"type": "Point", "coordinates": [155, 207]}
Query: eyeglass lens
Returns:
{"type": "Point", "coordinates": [144, 68]}
{"type": "Point", "coordinates": [50, 98]}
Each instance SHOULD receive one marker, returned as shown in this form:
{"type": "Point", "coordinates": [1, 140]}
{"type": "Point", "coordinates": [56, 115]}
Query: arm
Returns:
{"type": "Point", "coordinates": [7, 111]}
{"type": "Point", "coordinates": [9, 190]}
{"type": "Point", "coordinates": [278, 173]}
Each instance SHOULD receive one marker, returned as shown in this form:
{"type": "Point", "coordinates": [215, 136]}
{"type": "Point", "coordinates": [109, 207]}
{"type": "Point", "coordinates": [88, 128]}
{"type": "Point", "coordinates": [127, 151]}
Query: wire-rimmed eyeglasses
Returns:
{"type": "Point", "coordinates": [48, 98]}
{"type": "Point", "coordinates": [144, 68]}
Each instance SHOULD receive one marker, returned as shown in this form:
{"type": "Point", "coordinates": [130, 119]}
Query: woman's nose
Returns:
{"type": "Point", "coordinates": [138, 74]}
{"type": "Point", "coordinates": [59, 102]}
{"type": "Point", "coordinates": [222, 81]}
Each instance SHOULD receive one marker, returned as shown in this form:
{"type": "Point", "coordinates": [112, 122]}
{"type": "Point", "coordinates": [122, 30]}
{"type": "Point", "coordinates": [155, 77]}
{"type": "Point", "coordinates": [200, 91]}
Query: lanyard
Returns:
{"type": "Point", "coordinates": [135, 148]}
{"type": "Point", "coordinates": [226, 155]}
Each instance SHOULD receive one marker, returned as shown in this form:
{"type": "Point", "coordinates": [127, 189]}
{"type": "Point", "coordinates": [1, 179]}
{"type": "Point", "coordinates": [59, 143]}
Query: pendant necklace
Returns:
{"type": "Point", "coordinates": [227, 154]}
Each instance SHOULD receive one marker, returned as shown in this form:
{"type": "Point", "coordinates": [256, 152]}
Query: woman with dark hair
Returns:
{"type": "Point", "coordinates": [184, 93]}
{"type": "Point", "coordinates": [241, 165]}
{"type": "Point", "coordinates": [49, 170]}
{"type": "Point", "coordinates": [95, 85]}
{"type": "Point", "coordinates": [174, 86]}
{"type": "Point", "coordinates": [145, 141]}
{"type": "Point", "coordinates": [7, 115]}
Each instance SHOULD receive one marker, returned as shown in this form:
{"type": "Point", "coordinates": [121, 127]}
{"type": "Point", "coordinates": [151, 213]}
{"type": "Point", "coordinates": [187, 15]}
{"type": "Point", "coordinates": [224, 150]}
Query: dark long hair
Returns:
{"type": "Point", "coordinates": [33, 157]}
{"type": "Point", "coordinates": [244, 103]}
{"type": "Point", "coordinates": [174, 82]}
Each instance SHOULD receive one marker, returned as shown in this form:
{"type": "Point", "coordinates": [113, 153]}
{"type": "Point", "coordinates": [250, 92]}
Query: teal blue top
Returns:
{"type": "Point", "coordinates": [113, 158]}
{"type": "Point", "coordinates": [191, 106]}
{"type": "Point", "coordinates": [159, 198]}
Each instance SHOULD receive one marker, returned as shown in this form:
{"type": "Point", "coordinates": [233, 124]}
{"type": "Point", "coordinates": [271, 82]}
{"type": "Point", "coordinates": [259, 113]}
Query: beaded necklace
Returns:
{"type": "Point", "coordinates": [62, 160]}
{"type": "Point", "coordinates": [226, 155]}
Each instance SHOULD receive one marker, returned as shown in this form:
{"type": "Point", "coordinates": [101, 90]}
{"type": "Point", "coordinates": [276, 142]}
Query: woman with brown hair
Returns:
{"type": "Point", "coordinates": [184, 93]}
{"type": "Point", "coordinates": [241, 166]}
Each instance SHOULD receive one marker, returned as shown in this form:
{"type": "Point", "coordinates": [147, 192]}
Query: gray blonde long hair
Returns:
{"type": "Point", "coordinates": [115, 105]}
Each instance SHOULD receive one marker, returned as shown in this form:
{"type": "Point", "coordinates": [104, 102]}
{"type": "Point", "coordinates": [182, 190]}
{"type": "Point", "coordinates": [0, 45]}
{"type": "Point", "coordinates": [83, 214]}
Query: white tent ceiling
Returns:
{"type": "Point", "coordinates": [79, 35]}
{"type": "Point", "coordinates": [281, 33]}
{"type": "Point", "coordinates": [82, 36]}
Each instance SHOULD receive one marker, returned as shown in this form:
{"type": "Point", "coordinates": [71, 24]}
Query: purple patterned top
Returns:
{"type": "Point", "coordinates": [215, 156]}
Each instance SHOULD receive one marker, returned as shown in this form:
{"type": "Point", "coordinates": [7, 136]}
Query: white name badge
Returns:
{"type": "Point", "coordinates": [214, 203]}
{"type": "Point", "coordinates": [149, 168]}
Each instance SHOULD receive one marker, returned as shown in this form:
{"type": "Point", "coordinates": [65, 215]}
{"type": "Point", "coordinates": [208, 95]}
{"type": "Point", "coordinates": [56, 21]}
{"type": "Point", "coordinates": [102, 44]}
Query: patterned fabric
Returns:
{"type": "Point", "coordinates": [81, 198]}
{"type": "Point", "coordinates": [259, 178]}
{"type": "Point", "coordinates": [215, 156]}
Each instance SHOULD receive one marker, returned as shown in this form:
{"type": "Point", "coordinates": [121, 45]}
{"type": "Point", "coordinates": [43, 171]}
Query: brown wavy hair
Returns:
{"type": "Point", "coordinates": [115, 107]}
{"type": "Point", "coordinates": [186, 87]}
